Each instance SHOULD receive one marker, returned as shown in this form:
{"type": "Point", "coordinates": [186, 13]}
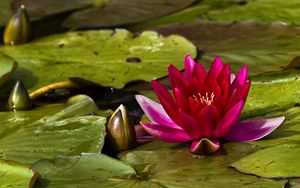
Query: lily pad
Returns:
{"type": "Point", "coordinates": [120, 12]}
{"type": "Point", "coordinates": [106, 57]}
{"type": "Point", "coordinates": [5, 12]}
{"type": "Point", "coordinates": [7, 67]}
{"type": "Point", "coordinates": [263, 48]}
{"type": "Point", "coordinates": [275, 162]}
{"type": "Point", "coordinates": [262, 11]}
{"type": "Point", "coordinates": [38, 9]}
{"type": "Point", "coordinates": [16, 175]}
{"type": "Point", "coordinates": [87, 170]}
{"type": "Point", "coordinates": [161, 164]}
{"type": "Point", "coordinates": [157, 164]}
{"type": "Point", "coordinates": [51, 130]}
{"type": "Point", "coordinates": [189, 15]}
{"type": "Point", "coordinates": [282, 86]}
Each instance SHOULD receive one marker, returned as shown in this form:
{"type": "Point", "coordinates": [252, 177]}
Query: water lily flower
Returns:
{"type": "Point", "coordinates": [204, 108]}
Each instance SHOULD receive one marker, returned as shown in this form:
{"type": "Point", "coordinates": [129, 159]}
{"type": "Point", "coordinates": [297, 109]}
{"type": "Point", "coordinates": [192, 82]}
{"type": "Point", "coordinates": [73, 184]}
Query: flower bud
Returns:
{"type": "Point", "coordinates": [19, 98]}
{"type": "Point", "coordinates": [18, 28]}
{"type": "Point", "coordinates": [120, 130]}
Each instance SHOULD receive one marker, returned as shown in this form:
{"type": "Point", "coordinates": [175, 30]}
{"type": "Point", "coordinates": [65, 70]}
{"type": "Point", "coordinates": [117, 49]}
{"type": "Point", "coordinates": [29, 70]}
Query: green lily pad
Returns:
{"type": "Point", "coordinates": [276, 162]}
{"type": "Point", "coordinates": [273, 95]}
{"type": "Point", "coordinates": [16, 175]}
{"type": "Point", "coordinates": [161, 164]}
{"type": "Point", "coordinates": [263, 48]}
{"type": "Point", "coordinates": [188, 15]}
{"type": "Point", "coordinates": [5, 12]}
{"type": "Point", "coordinates": [109, 58]}
{"type": "Point", "coordinates": [262, 11]}
{"type": "Point", "coordinates": [38, 9]}
{"type": "Point", "coordinates": [87, 170]}
{"type": "Point", "coordinates": [282, 86]}
{"type": "Point", "coordinates": [287, 133]}
{"type": "Point", "coordinates": [120, 12]}
{"type": "Point", "coordinates": [157, 164]}
{"type": "Point", "coordinates": [7, 67]}
{"type": "Point", "coordinates": [51, 130]}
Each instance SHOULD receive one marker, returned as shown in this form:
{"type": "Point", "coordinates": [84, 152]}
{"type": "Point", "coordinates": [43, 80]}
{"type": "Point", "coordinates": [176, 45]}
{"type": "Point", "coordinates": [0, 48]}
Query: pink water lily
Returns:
{"type": "Point", "coordinates": [203, 108]}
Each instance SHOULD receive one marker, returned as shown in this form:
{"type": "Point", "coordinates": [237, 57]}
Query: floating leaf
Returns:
{"type": "Point", "coordinates": [120, 12]}
{"type": "Point", "coordinates": [273, 95]}
{"type": "Point", "coordinates": [276, 162]}
{"type": "Point", "coordinates": [38, 9]}
{"type": "Point", "coordinates": [262, 11]}
{"type": "Point", "coordinates": [87, 170]}
{"type": "Point", "coordinates": [104, 57]}
{"type": "Point", "coordinates": [5, 12]}
{"type": "Point", "coordinates": [157, 164]}
{"type": "Point", "coordinates": [7, 67]}
{"type": "Point", "coordinates": [16, 175]}
{"type": "Point", "coordinates": [161, 164]}
{"type": "Point", "coordinates": [187, 15]}
{"type": "Point", "coordinates": [263, 48]}
{"type": "Point", "coordinates": [282, 86]}
{"type": "Point", "coordinates": [48, 131]}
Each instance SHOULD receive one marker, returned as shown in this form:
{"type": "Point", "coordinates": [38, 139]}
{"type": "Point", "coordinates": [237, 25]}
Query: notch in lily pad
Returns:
{"type": "Point", "coordinates": [18, 28]}
{"type": "Point", "coordinates": [120, 130]}
{"type": "Point", "coordinates": [19, 98]}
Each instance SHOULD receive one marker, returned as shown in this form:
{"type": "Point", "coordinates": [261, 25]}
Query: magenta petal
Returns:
{"type": "Point", "coordinates": [252, 130]}
{"type": "Point", "coordinates": [189, 67]}
{"type": "Point", "coordinates": [229, 120]}
{"type": "Point", "coordinates": [166, 133]}
{"type": "Point", "coordinates": [208, 118]}
{"type": "Point", "coordinates": [189, 124]}
{"type": "Point", "coordinates": [176, 78]}
{"type": "Point", "coordinates": [204, 146]}
{"type": "Point", "coordinates": [162, 92]}
{"type": "Point", "coordinates": [154, 111]}
{"type": "Point", "coordinates": [166, 100]}
{"type": "Point", "coordinates": [199, 72]}
{"type": "Point", "coordinates": [181, 101]}
{"type": "Point", "coordinates": [216, 67]}
{"type": "Point", "coordinates": [241, 77]}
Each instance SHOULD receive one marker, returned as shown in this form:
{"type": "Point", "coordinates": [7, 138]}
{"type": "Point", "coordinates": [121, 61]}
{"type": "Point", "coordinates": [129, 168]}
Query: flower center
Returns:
{"type": "Point", "coordinates": [204, 99]}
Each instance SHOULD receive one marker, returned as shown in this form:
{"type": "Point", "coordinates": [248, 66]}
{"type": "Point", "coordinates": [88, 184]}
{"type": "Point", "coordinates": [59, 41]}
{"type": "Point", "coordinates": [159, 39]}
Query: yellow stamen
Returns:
{"type": "Point", "coordinates": [207, 99]}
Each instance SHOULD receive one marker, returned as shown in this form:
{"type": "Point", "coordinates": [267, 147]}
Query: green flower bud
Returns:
{"type": "Point", "coordinates": [19, 98]}
{"type": "Point", "coordinates": [18, 28]}
{"type": "Point", "coordinates": [120, 130]}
